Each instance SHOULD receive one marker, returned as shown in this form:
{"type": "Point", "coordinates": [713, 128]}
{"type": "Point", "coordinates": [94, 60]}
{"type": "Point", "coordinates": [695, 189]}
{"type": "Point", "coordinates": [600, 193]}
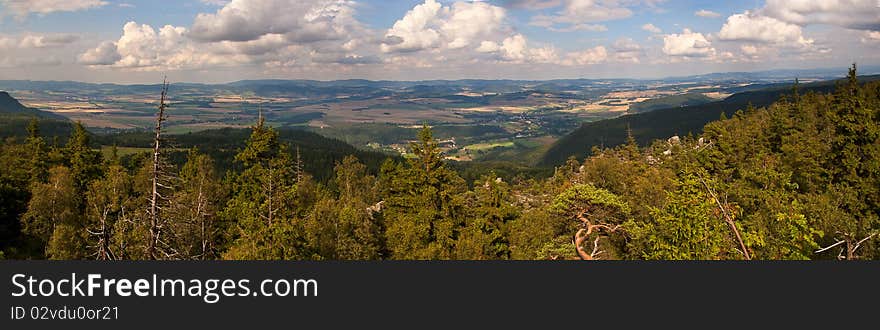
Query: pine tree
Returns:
{"type": "Point", "coordinates": [85, 163]}
{"type": "Point", "coordinates": [39, 154]}
{"type": "Point", "coordinates": [486, 231]}
{"type": "Point", "coordinates": [424, 204]}
{"type": "Point", "coordinates": [196, 233]}
{"type": "Point", "coordinates": [348, 227]}
{"type": "Point", "coordinates": [856, 163]}
{"type": "Point", "coordinates": [263, 205]}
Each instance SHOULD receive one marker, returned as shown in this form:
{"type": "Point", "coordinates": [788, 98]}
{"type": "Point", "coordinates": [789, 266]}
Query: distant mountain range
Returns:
{"type": "Point", "coordinates": [504, 84]}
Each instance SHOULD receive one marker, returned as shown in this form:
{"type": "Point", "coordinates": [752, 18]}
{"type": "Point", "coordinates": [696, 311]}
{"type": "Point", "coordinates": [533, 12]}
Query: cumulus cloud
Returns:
{"type": "Point", "coordinates": [30, 40]}
{"type": "Point", "coordinates": [751, 27]}
{"type": "Point", "coordinates": [853, 14]}
{"type": "Point", "coordinates": [688, 44]}
{"type": "Point", "coordinates": [297, 20]}
{"type": "Point", "coordinates": [515, 49]}
{"type": "Point", "coordinates": [30, 49]}
{"type": "Point", "coordinates": [272, 33]}
{"type": "Point", "coordinates": [432, 25]}
{"type": "Point", "coordinates": [104, 54]}
{"type": "Point", "coordinates": [46, 41]}
{"type": "Point", "coordinates": [627, 50]}
{"type": "Point", "coordinates": [707, 13]}
{"type": "Point", "coordinates": [22, 8]}
{"type": "Point", "coordinates": [651, 28]}
{"type": "Point", "coordinates": [143, 48]}
{"type": "Point", "coordinates": [579, 12]}
{"type": "Point", "coordinates": [589, 56]}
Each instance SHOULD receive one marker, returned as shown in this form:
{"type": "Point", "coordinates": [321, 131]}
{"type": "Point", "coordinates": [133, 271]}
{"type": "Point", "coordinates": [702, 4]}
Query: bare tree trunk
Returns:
{"type": "Point", "coordinates": [727, 219]}
{"type": "Point", "coordinates": [155, 225]}
{"type": "Point", "coordinates": [585, 232]}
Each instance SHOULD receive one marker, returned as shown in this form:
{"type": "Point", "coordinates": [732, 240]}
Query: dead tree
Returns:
{"type": "Point", "coordinates": [103, 250]}
{"type": "Point", "coordinates": [848, 246]}
{"type": "Point", "coordinates": [587, 229]}
{"type": "Point", "coordinates": [155, 220]}
{"type": "Point", "coordinates": [727, 218]}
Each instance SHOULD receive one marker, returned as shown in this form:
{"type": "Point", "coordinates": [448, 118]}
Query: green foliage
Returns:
{"type": "Point", "coordinates": [424, 204]}
{"type": "Point", "coordinates": [195, 230]}
{"type": "Point", "coordinates": [84, 162]}
{"type": "Point", "coordinates": [769, 182]}
{"type": "Point", "coordinates": [347, 227]}
{"type": "Point", "coordinates": [263, 208]}
{"type": "Point", "coordinates": [54, 203]}
{"type": "Point", "coordinates": [688, 227]}
{"type": "Point", "coordinates": [668, 102]}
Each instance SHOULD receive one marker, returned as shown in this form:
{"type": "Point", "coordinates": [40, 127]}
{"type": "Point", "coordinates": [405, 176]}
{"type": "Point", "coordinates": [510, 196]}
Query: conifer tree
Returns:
{"type": "Point", "coordinates": [39, 154]}
{"type": "Point", "coordinates": [263, 206]}
{"type": "Point", "coordinates": [109, 201]}
{"type": "Point", "coordinates": [196, 233]}
{"type": "Point", "coordinates": [424, 204]}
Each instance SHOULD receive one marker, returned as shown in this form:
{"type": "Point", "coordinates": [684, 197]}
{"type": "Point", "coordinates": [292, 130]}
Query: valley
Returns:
{"type": "Point", "coordinates": [477, 119]}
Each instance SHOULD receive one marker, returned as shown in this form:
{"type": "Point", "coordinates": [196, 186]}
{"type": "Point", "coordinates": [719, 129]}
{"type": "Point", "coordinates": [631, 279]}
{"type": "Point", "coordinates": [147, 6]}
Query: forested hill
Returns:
{"type": "Point", "coordinates": [664, 123]}
{"type": "Point", "coordinates": [799, 179]}
{"type": "Point", "coordinates": [14, 118]}
{"type": "Point", "coordinates": [9, 105]}
{"type": "Point", "coordinates": [319, 153]}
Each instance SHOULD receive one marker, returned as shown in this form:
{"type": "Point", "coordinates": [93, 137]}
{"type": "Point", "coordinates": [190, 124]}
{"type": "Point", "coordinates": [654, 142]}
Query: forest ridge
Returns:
{"type": "Point", "coordinates": [799, 179]}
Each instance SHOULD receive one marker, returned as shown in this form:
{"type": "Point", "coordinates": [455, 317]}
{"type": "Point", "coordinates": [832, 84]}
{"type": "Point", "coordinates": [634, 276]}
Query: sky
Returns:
{"type": "Point", "coordinates": [134, 41]}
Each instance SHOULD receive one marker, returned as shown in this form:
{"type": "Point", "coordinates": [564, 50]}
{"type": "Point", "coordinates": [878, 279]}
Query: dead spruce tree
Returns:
{"type": "Point", "coordinates": [157, 247]}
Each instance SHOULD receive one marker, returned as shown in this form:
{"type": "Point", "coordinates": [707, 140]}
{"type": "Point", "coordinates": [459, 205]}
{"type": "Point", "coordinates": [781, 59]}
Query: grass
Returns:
{"type": "Point", "coordinates": [489, 146]}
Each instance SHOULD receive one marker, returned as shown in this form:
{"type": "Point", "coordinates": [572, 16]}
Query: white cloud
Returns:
{"type": "Point", "coordinates": [589, 56]}
{"type": "Point", "coordinates": [104, 54]}
{"type": "Point", "coordinates": [469, 22]}
{"type": "Point", "coordinates": [651, 28]}
{"type": "Point", "coordinates": [627, 50]}
{"type": "Point", "coordinates": [298, 20]}
{"type": "Point", "coordinates": [30, 49]}
{"type": "Point", "coordinates": [417, 29]}
{"type": "Point", "coordinates": [871, 37]}
{"type": "Point", "coordinates": [515, 49]}
{"type": "Point", "coordinates": [707, 13]}
{"type": "Point", "coordinates": [143, 48]}
{"type": "Point", "coordinates": [532, 4]}
{"type": "Point", "coordinates": [47, 40]}
{"type": "Point", "coordinates": [215, 2]}
{"type": "Point", "coordinates": [30, 40]}
{"type": "Point", "coordinates": [488, 47]}
{"type": "Point", "coordinates": [580, 27]}
{"type": "Point", "coordinates": [751, 27]}
{"type": "Point", "coordinates": [22, 8]}
{"type": "Point", "coordinates": [687, 44]}
{"type": "Point", "coordinates": [432, 25]}
{"type": "Point", "coordinates": [578, 12]}
{"type": "Point", "coordinates": [853, 14]}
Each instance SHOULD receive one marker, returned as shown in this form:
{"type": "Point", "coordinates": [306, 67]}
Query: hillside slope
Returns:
{"type": "Point", "coordinates": [14, 119]}
{"type": "Point", "coordinates": [663, 123]}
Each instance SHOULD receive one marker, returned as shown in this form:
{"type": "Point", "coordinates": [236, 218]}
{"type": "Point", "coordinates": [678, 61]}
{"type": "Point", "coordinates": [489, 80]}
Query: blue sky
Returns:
{"type": "Point", "coordinates": [215, 40]}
